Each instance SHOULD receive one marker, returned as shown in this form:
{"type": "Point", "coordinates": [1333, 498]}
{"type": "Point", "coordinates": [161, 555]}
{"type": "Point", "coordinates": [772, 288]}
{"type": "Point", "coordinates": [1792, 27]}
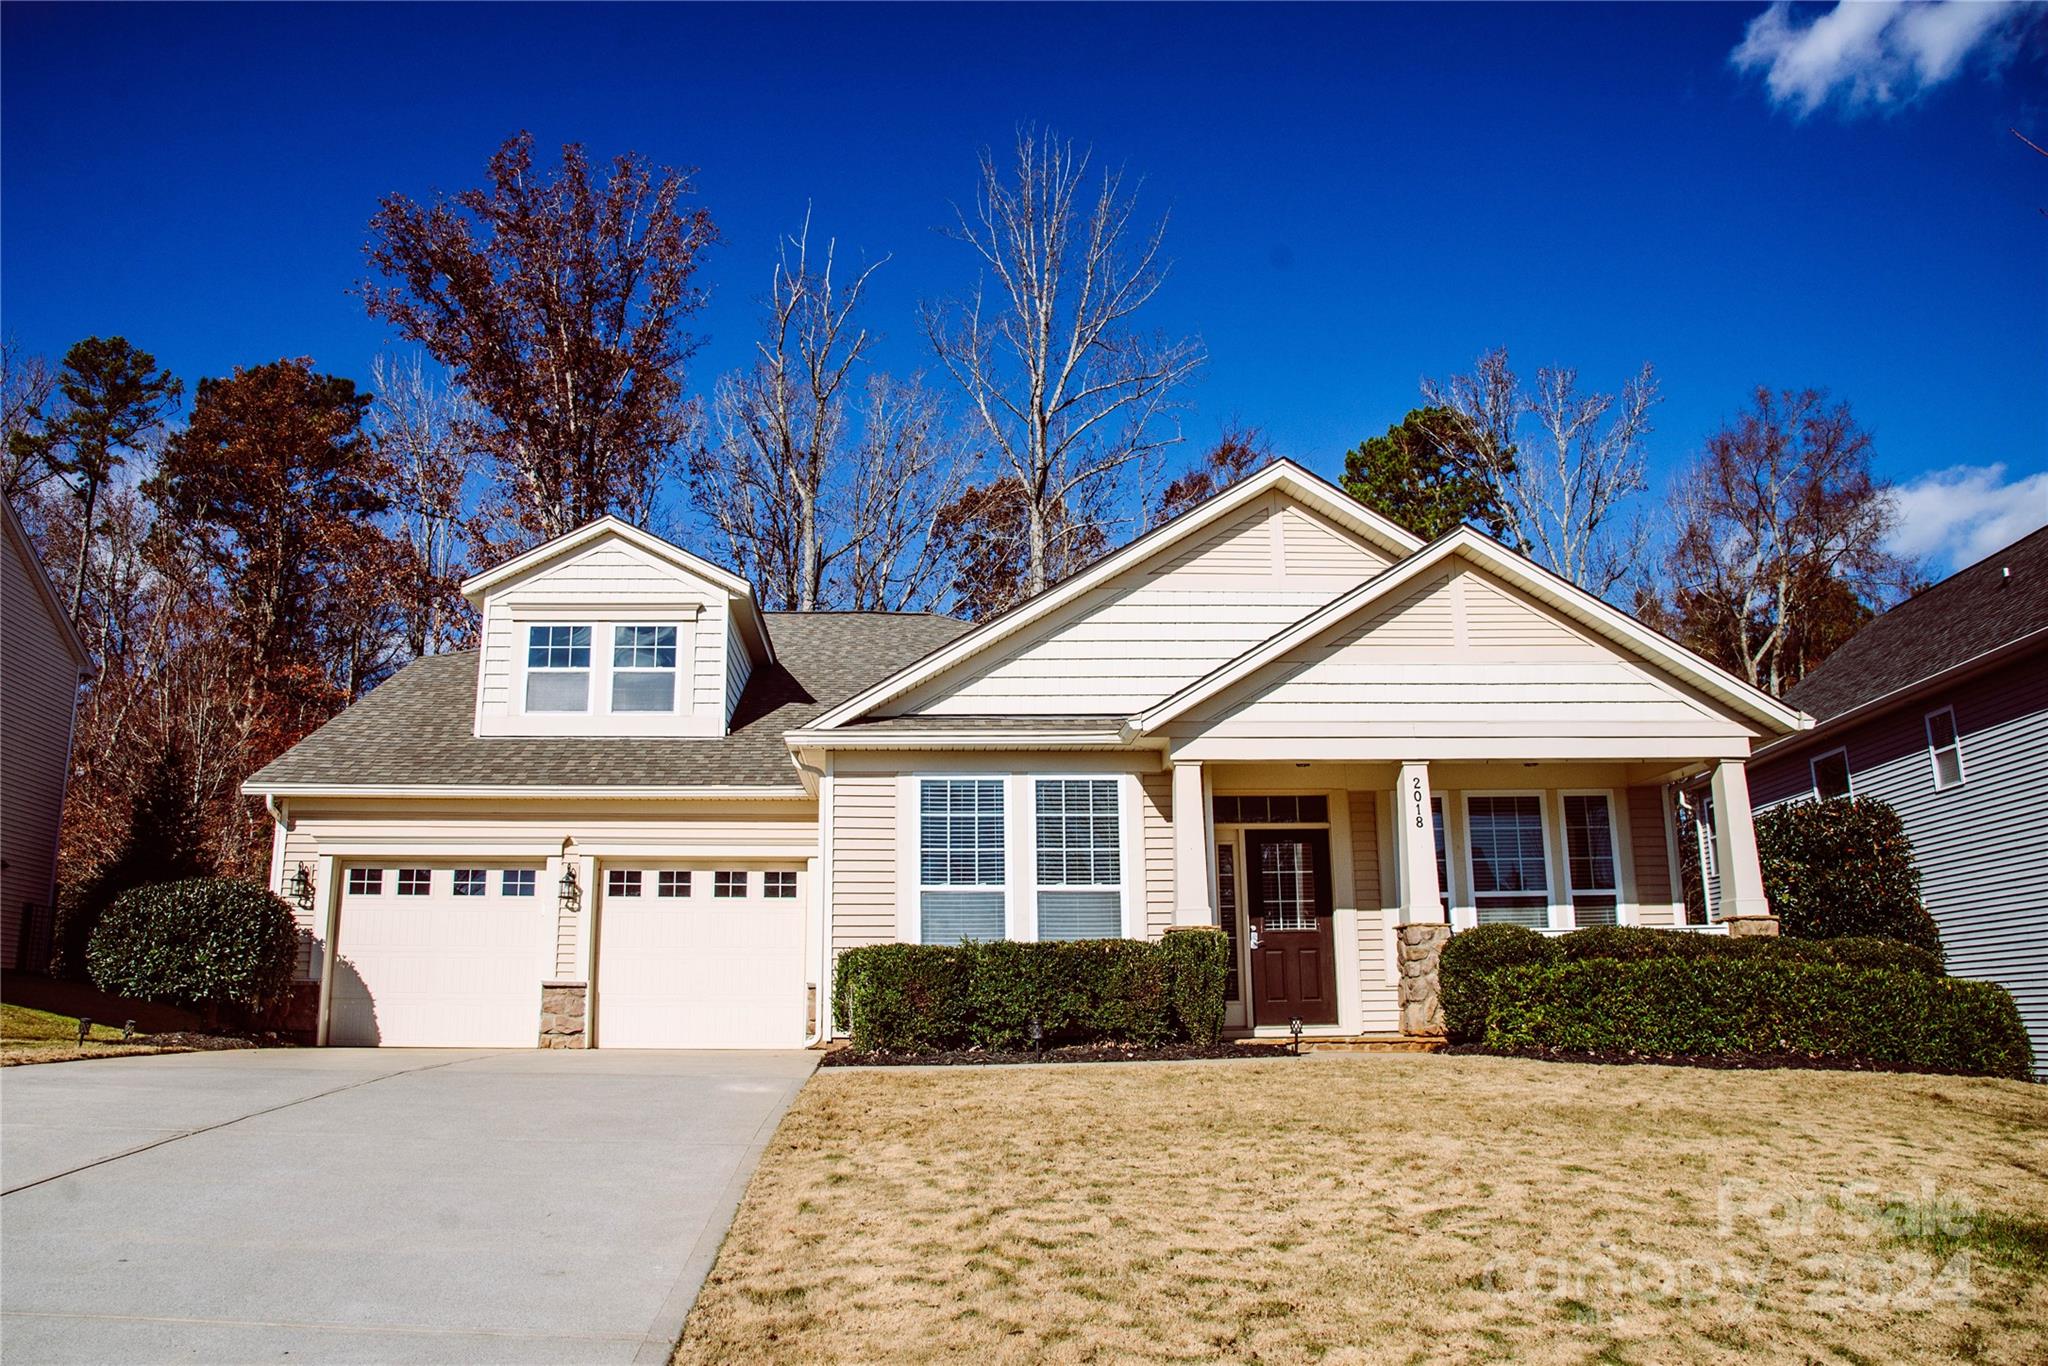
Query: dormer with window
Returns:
{"type": "Point", "coordinates": [613, 631]}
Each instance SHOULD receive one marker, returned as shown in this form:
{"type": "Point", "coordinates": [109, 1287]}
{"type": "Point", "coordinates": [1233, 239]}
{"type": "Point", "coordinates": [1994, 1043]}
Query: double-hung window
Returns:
{"type": "Point", "coordinates": [643, 668]}
{"type": "Point", "coordinates": [1830, 774]}
{"type": "Point", "coordinates": [1946, 748]}
{"type": "Point", "coordinates": [961, 875]}
{"type": "Point", "coordinates": [1589, 850]}
{"type": "Point", "coordinates": [1510, 882]}
{"type": "Point", "coordinates": [1080, 863]}
{"type": "Point", "coordinates": [558, 668]}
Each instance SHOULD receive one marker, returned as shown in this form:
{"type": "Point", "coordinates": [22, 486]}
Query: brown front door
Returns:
{"type": "Point", "coordinates": [1294, 948]}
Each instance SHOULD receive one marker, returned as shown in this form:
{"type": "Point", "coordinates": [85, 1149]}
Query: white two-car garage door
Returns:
{"type": "Point", "coordinates": [700, 956]}
{"type": "Point", "coordinates": [440, 955]}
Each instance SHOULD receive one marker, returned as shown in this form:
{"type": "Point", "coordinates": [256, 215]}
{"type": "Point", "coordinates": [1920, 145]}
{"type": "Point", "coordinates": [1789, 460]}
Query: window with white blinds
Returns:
{"type": "Point", "coordinates": [962, 879]}
{"type": "Point", "coordinates": [1080, 860]}
{"type": "Point", "coordinates": [1510, 881]}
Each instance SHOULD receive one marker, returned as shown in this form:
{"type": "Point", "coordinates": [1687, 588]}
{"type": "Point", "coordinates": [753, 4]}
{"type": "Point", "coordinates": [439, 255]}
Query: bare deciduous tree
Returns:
{"type": "Point", "coordinates": [27, 384]}
{"type": "Point", "coordinates": [1045, 346]}
{"type": "Point", "coordinates": [911, 464]}
{"type": "Point", "coordinates": [1562, 464]}
{"type": "Point", "coordinates": [422, 427]}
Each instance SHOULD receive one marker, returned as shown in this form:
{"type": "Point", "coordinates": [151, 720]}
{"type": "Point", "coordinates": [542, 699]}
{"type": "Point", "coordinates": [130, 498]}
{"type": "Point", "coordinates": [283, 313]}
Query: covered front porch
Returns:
{"type": "Point", "coordinates": [1338, 882]}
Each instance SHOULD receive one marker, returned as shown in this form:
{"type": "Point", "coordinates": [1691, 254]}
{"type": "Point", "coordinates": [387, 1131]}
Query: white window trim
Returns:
{"type": "Point", "coordinates": [911, 795]}
{"type": "Point", "coordinates": [1572, 890]}
{"type": "Point", "coordinates": [674, 671]}
{"type": "Point", "coordinates": [1551, 834]}
{"type": "Point", "coordinates": [602, 635]}
{"type": "Point", "coordinates": [1934, 750]}
{"type": "Point", "coordinates": [1125, 786]}
{"type": "Point", "coordinates": [523, 639]}
{"type": "Point", "coordinates": [1813, 774]}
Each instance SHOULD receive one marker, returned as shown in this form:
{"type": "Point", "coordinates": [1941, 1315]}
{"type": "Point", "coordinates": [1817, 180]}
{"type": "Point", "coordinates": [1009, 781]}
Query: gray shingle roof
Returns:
{"type": "Point", "coordinates": [415, 730]}
{"type": "Point", "coordinates": [1963, 616]}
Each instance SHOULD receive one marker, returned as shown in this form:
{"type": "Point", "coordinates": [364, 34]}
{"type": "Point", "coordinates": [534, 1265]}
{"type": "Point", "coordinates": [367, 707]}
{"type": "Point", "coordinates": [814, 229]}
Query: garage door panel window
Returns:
{"type": "Point", "coordinates": [643, 668]}
{"type": "Point", "coordinates": [366, 882]}
{"type": "Point", "coordinates": [516, 882]}
{"type": "Point", "coordinates": [672, 882]}
{"type": "Point", "coordinates": [1510, 880]}
{"type": "Point", "coordinates": [558, 668]}
{"type": "Point", "coordinates": [728, 885]}
{"type": "Point", "coordinates": [622, 882]}
{"type": "Point", "coordinates": [779, 886]}
{"type": "Point", "coordinates": [415, 881]}
{"type": "Point", "coordinates": [471, 882]}
{"type": "Point", "coordinates": [1079, 863]}
{"type": "Point", "coordinates": [962, 874]}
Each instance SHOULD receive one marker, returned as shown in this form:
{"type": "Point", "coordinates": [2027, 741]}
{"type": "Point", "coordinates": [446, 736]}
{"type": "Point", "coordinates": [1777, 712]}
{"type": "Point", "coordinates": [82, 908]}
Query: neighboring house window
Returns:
{"type": "Point", "coordinates": [415, 881]}
{"type": "Point", "coordinates": [1589, 850]}
{"type": "Point", "coordinates": [470, 881]}
{"type": "Point", "coordinates": [1831, 774]}
{"type": "Point", "coordinates": [558, 668]}
{"type": "Point", "coordinates": [516, 882]}
{"type": "Point", "coordinates": [1443, 855]}
{"type": "Point", "coordinates": [1946, 746]}
{"type": "Point", "coordinates": [672, 882]}
{"type": "Point", "coordinates": [622, 882]}
{"type": "Point", "coordinates": [643, 668]}
{"type": "Point", "coordinates": [960, 868]}
{"type": "Point", "coordinates": [366, 882]}
{"type": "Point", "coordinates": [729, 884]}
{"type": "Point", "coordinates": [1080, 866]}
{"type": "Point", "coordinates": [1226, 906]}
{"type": "Point", "coordinates": [1510, 883]}
{"type": "Point", "coordinates": [778, 886]}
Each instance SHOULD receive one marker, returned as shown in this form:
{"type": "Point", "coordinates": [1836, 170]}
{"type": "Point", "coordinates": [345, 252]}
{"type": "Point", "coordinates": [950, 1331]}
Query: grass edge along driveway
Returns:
{"type": "Point", "coordinates": [1390, 1208]}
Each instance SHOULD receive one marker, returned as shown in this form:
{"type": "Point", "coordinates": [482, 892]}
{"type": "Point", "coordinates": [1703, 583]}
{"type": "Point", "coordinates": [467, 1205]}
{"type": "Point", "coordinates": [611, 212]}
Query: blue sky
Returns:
{"type": "Point", "coordinates": [1359, 196]}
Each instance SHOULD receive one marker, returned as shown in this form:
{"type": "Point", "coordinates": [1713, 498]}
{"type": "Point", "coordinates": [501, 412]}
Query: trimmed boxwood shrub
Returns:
{"type": "Point", "coordinates": [1717, 1007]}
{"type": "Point", "coordinates": [209, 944]}
{"type": "Point", "coordinates": [1631, 943]}
{"type": "Point", "coordinates": [1199, 961]}
{"type": "Point", "coordinates": [915, 998]}
{"type": "Point", "coordinates": [1843, 867]}
{"type": "Point", "coordinates": [1470, 960]}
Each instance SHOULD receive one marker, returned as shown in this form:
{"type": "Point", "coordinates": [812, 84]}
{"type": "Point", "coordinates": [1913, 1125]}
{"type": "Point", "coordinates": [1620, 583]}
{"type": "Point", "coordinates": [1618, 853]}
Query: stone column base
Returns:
{"type": "Point", "coordinates": [1417, 948]}
{"type": "Point", "coordinates": [562, 1011]}
{"type": "Point", "coordinates": [1745, 926]}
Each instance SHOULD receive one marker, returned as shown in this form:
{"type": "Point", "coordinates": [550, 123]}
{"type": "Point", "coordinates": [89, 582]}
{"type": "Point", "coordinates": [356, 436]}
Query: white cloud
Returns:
{"type": "Point", "coordinates": [1954, 517]}
{"type": "Point", "coordinates": [1872, 52]}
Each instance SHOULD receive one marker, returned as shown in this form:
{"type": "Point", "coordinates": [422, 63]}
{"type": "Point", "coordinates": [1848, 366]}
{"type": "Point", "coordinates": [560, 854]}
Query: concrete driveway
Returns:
{"type": "Point", "coordinates": [372, 1205]}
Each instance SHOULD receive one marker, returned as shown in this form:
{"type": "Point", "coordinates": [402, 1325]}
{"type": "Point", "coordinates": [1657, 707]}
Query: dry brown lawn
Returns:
{"type": "Point", "coordinates": [1389, 1209]}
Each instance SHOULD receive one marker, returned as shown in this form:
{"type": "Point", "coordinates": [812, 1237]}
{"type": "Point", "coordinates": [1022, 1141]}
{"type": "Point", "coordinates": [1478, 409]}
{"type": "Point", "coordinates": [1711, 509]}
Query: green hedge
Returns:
{"type": "Point", "coordinates": [1843, 867]}
{"type": "Point", "coordinates": [916, 998]}
{"type": "Point", "coordinates": [1722, 1006]}
{"type": "Point", "coordinates": [1473, 956]}
{"type": "Point", "coordinates": [208, 944]}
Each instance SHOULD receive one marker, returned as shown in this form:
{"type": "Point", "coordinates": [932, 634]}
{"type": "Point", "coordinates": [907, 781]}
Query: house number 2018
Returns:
{"type": "Point", "coordinates": [1415, 790]}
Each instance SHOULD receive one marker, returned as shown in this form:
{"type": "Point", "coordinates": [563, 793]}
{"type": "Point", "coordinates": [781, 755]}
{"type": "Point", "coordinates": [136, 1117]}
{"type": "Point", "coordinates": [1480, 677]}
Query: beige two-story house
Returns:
{"type": "Point", "coordinates": [646, 814]}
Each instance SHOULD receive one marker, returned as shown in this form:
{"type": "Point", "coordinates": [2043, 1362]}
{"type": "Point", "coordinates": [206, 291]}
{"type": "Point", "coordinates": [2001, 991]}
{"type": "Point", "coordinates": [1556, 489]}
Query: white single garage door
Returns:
{"type": "Point", "coordinates": [700, 955]}
{"type": "Point", "coordinates": [439, 955]}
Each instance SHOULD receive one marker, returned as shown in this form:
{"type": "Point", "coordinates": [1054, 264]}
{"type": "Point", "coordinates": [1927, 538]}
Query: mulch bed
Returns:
{"type": "Point", "coordinates": [1093, 1052]}
{"type": "Point", "coordinates": [1727, 1062]}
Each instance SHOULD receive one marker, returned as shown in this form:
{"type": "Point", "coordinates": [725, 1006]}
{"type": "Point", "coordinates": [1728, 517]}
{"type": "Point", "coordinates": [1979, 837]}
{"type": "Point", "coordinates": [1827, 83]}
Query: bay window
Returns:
{"type": "Point", "coordinates": [962, 877]}
{"type": "Point", "coordinates": [1080, 862]}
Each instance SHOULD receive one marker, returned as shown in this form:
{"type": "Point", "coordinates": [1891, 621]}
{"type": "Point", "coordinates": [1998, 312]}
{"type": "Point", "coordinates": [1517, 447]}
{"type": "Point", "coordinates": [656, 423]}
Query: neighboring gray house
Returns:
{"type": "Point", "coordinates": [42, 662]}
{"type": "Point", "coordinates": [1940, 708]}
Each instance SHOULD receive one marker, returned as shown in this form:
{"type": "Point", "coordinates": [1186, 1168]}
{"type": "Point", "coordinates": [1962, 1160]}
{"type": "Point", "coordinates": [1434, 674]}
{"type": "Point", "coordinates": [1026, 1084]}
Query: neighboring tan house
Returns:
{"type": "Point", "coordinates": [42, 664]}
{"type": "Point", "coordinates": [646, 814]}
{"type": "Point", "coordinates": [1940, 709]}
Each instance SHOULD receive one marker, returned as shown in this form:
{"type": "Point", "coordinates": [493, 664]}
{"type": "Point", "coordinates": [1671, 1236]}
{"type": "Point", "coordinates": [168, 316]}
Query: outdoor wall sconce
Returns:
{"type": "Point", "coordinates": [302, 887]}
{"type": "Point", "coordinates": [1294, 1028]}
{"type": "Point", "coordinates": [571, 895]}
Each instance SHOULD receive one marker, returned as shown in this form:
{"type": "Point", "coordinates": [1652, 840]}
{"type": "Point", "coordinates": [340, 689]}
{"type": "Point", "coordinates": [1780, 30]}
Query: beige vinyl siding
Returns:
{"type": "Point", "coordinates": [1155, 803]}
{"type": "Point", "coordinates": [1408, 672]}
{"type": "Point", "coordinates": [38, 698]}
{"type": "Point", "coordinates": [864, 860]}
{"type": "Point", "coordinates": [1379, 1004]}
{"type": "Point", "coordinates": [1498, 618]}
{"type": "Point", "coordinates": [1650, 852]}
{"type": "Point", "coordinates": [300, 846]}
{"type": "Point", "coordinates": [1159, 626]}
{"type": "Point", "coordinates": [737, 666]}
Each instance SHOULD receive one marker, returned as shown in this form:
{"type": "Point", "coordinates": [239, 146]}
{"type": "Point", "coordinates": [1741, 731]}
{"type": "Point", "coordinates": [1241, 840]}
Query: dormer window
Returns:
{"type": "Point", "coordinates": [643, 668]}
{"type": "Point", "coordinates": [558, 668]}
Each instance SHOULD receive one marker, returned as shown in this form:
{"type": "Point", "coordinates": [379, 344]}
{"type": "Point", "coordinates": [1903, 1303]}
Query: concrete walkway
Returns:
{"type": "Point", "coordinates": [345, 1205]}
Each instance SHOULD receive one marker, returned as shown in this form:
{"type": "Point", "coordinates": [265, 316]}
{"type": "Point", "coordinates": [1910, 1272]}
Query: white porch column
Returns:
{"type": "Point", "coordinates": [1192, 848]}
{"type": "Point", "coordinates": [1415, 841]}
{"type": "Point", "coordinates": [1735, 855]}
